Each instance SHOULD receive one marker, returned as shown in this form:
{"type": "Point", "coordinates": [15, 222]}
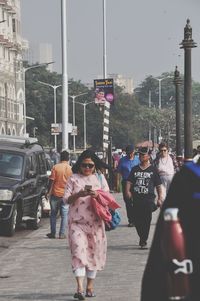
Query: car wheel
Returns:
{"type": "Point", "coordinates": [10, 225]}
{"type": "Point", "coordinates": [35, 223]}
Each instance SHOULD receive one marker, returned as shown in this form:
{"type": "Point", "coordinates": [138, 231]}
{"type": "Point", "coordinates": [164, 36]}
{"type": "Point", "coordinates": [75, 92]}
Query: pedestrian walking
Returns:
{"type": "Point", "coordinates": [55, 156]}
{"type": "Point", "coordinates": [60, 174]}
{"type": "Point", "coordinates": [86, 231]}
{"type": "Point", "coordinates": [179, 275]}
{"type": "Point", "coordinates": [196, 155]}
{"type": "Point", "coordinates": [166, 165]}
{"type": "Point", "coordinates": [140, 186]}
{"type": "Point", "coordinates": [124, 167]}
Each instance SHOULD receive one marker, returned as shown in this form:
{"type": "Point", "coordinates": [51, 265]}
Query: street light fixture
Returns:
{"type": "Point", "coordinates": [84, 104]}
{"type": "Point", "coordinates": [159, 93]}
{"type": "Point", "coordinates": [160, 100]}
{"type": "Point", "coordinates": [55, 87]}
{"type": "Point", "coordinates": [25, 69]}
{"type": "Point", "coordinates": [73, 114]}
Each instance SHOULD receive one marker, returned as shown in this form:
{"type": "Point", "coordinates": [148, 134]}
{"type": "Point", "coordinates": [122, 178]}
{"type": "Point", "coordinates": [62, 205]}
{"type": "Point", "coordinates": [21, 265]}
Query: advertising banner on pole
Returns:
{"type": "Point", "coordinates": [104, 91]}
{"type": "Point", "coordinates": [56, 128]}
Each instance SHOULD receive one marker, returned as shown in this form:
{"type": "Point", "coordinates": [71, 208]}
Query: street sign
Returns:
{"type": "Point", "coordinates": [56, 128]}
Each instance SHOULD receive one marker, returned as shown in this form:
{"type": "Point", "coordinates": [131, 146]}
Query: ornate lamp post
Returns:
{"type": "Point", "coordinates": [187, 44]}
{"type": "Point", "coordinates": [177, 82]}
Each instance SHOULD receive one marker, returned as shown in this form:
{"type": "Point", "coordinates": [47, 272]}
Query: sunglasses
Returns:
{"type": "Point", "coordinates": [163, 150]}
{"type": "Point", "coordinates": [87, 165]}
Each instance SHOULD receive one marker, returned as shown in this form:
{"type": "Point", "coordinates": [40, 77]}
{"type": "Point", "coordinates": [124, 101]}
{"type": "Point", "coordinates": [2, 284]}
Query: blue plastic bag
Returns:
{"type": "Point", "coordinates": [115, 221]}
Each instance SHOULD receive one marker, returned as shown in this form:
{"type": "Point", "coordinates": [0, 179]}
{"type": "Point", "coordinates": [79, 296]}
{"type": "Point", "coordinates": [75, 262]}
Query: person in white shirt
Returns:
{"type": "Point", "coordinates": [166, 165]}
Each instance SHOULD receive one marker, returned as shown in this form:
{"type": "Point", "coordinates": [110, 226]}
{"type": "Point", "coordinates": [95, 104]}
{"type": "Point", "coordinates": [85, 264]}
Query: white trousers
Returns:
{"type": "Point", "coordinates": [81, 272]}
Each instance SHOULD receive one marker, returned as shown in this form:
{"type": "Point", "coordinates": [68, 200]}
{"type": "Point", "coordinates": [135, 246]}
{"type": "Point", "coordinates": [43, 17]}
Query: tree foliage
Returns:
{"type": "Point", "coordinates": [131, 116]}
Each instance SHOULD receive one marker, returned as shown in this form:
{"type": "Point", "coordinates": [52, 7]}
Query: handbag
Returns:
{"type": "Point", "coordinates": [116, 218]}
{"type": "Point", "coordinates": [115, 221]}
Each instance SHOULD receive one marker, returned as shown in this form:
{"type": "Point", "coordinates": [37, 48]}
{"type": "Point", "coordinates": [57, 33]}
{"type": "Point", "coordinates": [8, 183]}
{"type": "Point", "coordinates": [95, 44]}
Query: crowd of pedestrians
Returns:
{"type": "Point", "coordinates": [149, 180]}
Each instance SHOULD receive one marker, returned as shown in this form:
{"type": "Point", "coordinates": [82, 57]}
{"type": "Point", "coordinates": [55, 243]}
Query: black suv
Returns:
{"type": "Point", "coordinates": [23, 182]}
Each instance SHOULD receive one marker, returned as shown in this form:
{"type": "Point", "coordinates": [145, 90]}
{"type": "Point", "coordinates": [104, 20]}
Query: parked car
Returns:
{"type": "Point", "coordinates": [23, 182]}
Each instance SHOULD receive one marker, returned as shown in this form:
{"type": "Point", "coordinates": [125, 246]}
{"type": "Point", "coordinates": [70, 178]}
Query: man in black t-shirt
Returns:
{"type": "Point", "coordinates": [140, 186]}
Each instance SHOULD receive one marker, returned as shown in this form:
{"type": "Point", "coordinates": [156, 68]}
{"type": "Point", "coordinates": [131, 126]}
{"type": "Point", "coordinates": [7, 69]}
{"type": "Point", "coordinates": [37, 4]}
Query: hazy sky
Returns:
{"type": "Point", "coordinates": [143, 36]}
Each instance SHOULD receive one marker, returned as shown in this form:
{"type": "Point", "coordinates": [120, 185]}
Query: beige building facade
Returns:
{"type": "Point", "coordinates": [12, 72]}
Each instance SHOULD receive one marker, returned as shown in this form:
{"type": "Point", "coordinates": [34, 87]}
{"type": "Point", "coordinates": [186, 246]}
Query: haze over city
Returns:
{"type": "Point", "coordinates": [143, 37]}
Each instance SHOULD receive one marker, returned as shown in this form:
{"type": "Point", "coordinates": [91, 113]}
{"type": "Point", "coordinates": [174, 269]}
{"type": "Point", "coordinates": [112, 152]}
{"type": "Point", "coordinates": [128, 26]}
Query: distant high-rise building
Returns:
{"type": "Point", "coordinates": [46, 54]}
{"type": "Point", "coordinates": [31, 53]}
{"type": "Point", "coordinates": [126, 83]}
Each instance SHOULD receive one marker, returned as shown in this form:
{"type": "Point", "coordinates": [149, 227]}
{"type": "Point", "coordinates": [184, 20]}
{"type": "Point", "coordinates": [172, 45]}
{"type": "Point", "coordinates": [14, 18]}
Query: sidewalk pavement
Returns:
{"type": "Point", "coordinates": [39, 269]}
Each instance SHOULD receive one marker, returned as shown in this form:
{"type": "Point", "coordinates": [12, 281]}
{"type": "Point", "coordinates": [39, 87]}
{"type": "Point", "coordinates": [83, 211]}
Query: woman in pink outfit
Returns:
{"type": "Point", "coordinates": [86, 232]}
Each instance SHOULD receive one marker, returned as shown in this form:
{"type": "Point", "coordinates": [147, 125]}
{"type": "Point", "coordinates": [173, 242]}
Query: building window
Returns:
{"type": "Point", "coordinates": [14, 25]}
{"type": "Point", "coordinates": [3, 131]}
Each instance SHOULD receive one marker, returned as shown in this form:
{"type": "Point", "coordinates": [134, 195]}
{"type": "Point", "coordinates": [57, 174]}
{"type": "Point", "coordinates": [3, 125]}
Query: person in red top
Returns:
{"type": "Point", "coordinates": [57, 181]}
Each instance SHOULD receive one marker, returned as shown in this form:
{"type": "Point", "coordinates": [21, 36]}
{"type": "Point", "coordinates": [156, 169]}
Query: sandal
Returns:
{"type": "Point", "coordinates": [79, 296]}
{"type": "Point", "coordinates": [90, 293]}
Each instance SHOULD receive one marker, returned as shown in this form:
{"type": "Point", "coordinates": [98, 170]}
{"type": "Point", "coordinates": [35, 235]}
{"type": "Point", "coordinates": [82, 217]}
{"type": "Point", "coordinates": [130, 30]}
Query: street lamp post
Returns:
{"type": "Point", "coordinates": [73, 115]}
{"type": "Point", "coordinates": [55, 87]}
{"type": "Point", "coordinates": [159, 90]}
{"type": "Point", "coordinates": [149, 121]}
{"type": "Point", "coordinates": [84, 104]}
{"type": "Point", "coordinates": [25, 69]}
{"type": "Point", "coordinates": [187, 44]}
{"type": "Point", "coordinates": [160, 99]}
{"type": "Point", "coordinates": [64, 41]}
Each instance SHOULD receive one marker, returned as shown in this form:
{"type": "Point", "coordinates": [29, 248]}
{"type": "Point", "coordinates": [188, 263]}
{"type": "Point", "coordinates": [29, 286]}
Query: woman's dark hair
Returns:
{"type": "Point", "coordinates": [89, 154]}
{"type": "Point", "coordinates": [163, 144]}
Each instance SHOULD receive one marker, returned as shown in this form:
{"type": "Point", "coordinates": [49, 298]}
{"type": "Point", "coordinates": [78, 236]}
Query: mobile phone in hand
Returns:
{"type": "Point", "coordinates": [88, 187]}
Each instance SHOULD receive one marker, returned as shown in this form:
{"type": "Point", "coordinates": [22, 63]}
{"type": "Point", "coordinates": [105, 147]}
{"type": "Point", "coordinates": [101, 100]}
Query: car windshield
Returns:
{"type": "Point", "coordinates": [11, 165]}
